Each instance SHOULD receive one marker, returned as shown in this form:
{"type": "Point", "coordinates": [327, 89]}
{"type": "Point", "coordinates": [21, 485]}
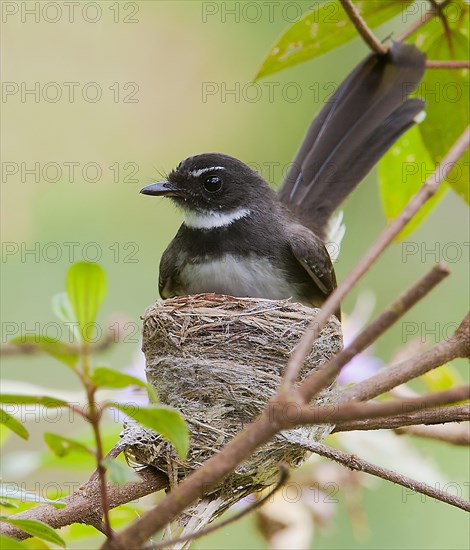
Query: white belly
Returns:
{"type": "Point", "coordinates": [253, 276]}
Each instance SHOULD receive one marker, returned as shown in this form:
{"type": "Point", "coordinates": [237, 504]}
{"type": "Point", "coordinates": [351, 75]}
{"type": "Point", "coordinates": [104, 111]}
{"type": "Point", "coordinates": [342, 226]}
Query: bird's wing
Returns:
{"type": "Point", "coordinates": [167, 286]}
{"type": "Point", "coordinates": [312, 255]}
{"type": "Point", "coordinates": [364, 117]}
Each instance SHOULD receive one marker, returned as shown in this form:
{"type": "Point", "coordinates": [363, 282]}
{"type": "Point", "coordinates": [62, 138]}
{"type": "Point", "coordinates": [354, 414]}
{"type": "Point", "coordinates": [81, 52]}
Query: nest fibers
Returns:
{"type": "Point", "coordinates": [218, 360]}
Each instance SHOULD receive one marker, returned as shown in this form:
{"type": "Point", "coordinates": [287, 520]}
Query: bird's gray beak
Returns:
{"type": "Point", "coordinates": [162, 189]}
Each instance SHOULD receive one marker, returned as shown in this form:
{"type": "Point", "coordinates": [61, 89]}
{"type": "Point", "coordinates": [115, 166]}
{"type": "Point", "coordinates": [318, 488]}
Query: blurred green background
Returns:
{"type": "Point", "coordinates": [182, 59]}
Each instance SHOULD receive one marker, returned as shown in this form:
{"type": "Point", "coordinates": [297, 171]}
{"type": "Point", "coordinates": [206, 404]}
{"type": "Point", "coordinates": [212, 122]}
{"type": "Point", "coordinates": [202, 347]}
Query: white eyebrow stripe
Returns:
{"type": "Point", "coordinates": [197, 173]}
{"type": "Point", "coordinates": [211, 220]}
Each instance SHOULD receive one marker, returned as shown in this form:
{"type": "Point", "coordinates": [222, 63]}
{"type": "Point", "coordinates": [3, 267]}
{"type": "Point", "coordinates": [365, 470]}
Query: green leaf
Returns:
{"type": "Point", "coordinates": [14, 425]}
{"type": "Point", "coordinates": [162, 419]}
{"type": "Point", "coordinates": [62, 446]}
{"type": "Point", "coordinates": [44, 400]}
{"type": "Point", "coordinates": [402, 171]}
{"type": "Point", "coordinates": [9, 543]}
{"type": "Point", "coordinates": [36, 529]}
{"type": "Point", "coordinates": [118, 472]}
{"type": "Point", "coordinates": [86, 289]}
{"type": "Point", "coordinates": [446, 95]}
{"type": "Point", "coordinates": [14, 493]}
{"type": "Point", "coordinates": [324, 28]}
{"type": "Point", "coordinates": [58, 349]}
{"type": "Point", "coordinates": [62, 307]}
{"type": "Point", "coordinates": [105, 377]}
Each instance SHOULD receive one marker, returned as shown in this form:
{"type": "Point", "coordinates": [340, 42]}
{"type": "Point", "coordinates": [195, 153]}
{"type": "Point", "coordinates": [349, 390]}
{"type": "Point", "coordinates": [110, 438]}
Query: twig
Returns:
{"type": "Point", "coordinates": [458, 345]}
{"type": "Point", "coordinates": [448, 64]}
{"type": "Point", "coordinates": [433, 12]}
{"type": "Point", "coordinates": [427, 190]}
{"type": "Point", "coordinates": [457, 413]}
{"type": "Point", "coordinates": [362, 28]}
{"type": "Point", "coordinates": [84, 505]}
{"type": "Point", "coordinates": [284, 471]}
{"type": "Point", "coordinates": [455, 434]}
{"type": "Point", "coordinates": [359, 411]}
{"type": "Point", "coordinates": [354, 463]}
{"type": "Point", "coordinates": [324, 376]}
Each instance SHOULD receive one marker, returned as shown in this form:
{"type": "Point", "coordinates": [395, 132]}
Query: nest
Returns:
{"type": "Point", "coordinates": [218, 360]}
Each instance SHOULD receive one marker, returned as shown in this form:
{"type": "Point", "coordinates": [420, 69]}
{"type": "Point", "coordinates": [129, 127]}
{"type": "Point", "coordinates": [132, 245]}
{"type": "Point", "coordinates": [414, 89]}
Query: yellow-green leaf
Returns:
{"type": "Point", "coordinates": [9, 543]}
{"type": "Point", "coordinates": [13, 424]}
{"type": "Point", "coordinates": [324, 28]}
{"type": "Point", "coordinates": [118, 472]}
{"type": "Point", "coordinates": [161, 419]}
{"type": "Point", "coordinates": [61, 351]}
{"type": "Point", "coordinates": [105, 377]}
{"type": "Point", "coordinates": [36, 529]}
{"type": "Point", "coordinates": [402, 171]}
{"type": "Point", "coordinates": [62, 446]}
{"type": "Point", "coordinates": [446, 95]}
{"type": "Point", "coordinates": [86, 289]}
{"type": "Point", "coordinates": [44, 400]}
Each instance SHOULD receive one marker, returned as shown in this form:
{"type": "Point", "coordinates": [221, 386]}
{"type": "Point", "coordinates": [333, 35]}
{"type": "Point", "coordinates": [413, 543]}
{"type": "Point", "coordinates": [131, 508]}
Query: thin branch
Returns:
{"type": "Point", "coordinates": [433, 12]}
{"type": "Point", "coordinates": [84, 505]}
{"type": "Point", "coordinates": [284, 471]}
{"type": "Point", "coordinates": [324, 376]}
{"type": "Point", "coordinates": [344, 412]}
{"type": "Point", "coordinates": [427, 190]}
{"type": "Point", "coordinates": [458, 345]}
{"type": "Point", "coordinates": [354, 463]}
{"type": "Point", "coordinates": [362, 28]}
{"type": "Point", "coordinates": [457, 413]}
{"type": "Point", "coordinates": [455, 434]}
{"type": "Point", "coordinates": [448, 64]}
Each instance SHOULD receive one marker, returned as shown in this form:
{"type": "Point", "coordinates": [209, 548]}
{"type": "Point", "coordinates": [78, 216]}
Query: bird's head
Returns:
{"type": "Point", "coordinates": [212, 183]}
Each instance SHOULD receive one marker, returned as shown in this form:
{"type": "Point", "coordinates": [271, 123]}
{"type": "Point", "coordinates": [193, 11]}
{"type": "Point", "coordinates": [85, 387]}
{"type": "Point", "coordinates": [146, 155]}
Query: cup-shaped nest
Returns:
{"type": "Point", "coordinates": [218, 360]}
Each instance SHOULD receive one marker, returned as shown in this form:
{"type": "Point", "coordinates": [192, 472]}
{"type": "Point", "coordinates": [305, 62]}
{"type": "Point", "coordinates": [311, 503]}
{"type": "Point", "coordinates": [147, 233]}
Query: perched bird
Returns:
{"type": "Point", "coordinates": [241, 238]}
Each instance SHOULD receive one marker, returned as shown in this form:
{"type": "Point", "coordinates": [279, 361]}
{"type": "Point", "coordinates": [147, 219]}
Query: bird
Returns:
{"type": "Point", "coordinates": [241, 238]}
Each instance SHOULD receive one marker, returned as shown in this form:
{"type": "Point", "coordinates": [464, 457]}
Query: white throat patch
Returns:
{"type": "Point", "coordinates": [211, 219]}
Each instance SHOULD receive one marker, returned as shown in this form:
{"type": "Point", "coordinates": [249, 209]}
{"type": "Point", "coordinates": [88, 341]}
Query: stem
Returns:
{"type": "Point", "coordinates": [448, 64]}
{"type": "Point", "coordinates": [94, 417]}
{"type": "Point", "coordinates": [362, 28]}
{"type": "Point", "coordinates": [355, 463]}
{"type": "Point", "coordinates": [457, 413]}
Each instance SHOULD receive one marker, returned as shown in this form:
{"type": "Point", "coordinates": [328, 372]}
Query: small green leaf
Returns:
{"type": "Point", "coordinates": [36, 529]}
{"type": "Point", "coordinates": [324, 28]}
{"type": "Point", "coordinates": [105, 377]}
{"type": "Point", "coordinates": [14, 425]}
{"type": "Point", "coordinates": [14, 493]}
{"type": "Point", "coordinates": [9, 543]}
{"type": "Point", "coordinates": [402, 171]}
{"type": "Point", "coordinates": [446, 95]}
{"type": "Point", "coordinates": [62, 446]}
{"type": "Point", "coordinates": [118, 472]}
{"type": "Point", "coordinates": [86, 289]}
{"type": "Point", "coordinates": [62, 307]}
{"type": "Point", "coordinates": [59, 350]}
{"type": "Point", "coordinates": [161, 419]}
{"type": "Point", "coordinates": [44, 400]}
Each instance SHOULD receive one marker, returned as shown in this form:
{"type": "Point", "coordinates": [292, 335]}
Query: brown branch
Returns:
{"type": "Point", "coordinates": [457, 413]}
{"type": "Point", "coordinates": [326, 375]}
{"type": "Point", "coordinates": [427, 190]}
{"type": "Point", "coordinates": [362, 28]}
{"type": "Point", "coordinates": [448, 64]}
{"type": "Point", "coordinates": [454, 434]}
{"type": "Point", "coordinates": [345, 412]}
{"type": "Point", "coordinates": [84, 505]}
{"type": "Point", "coordinates": [458, 345]}
{"type": "Point", "coordinates": [354, 463]}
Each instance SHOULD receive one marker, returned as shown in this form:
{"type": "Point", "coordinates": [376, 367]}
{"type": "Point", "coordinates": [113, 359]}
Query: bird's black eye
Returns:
{"type": "Point", "coordinates": [213, 184]}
